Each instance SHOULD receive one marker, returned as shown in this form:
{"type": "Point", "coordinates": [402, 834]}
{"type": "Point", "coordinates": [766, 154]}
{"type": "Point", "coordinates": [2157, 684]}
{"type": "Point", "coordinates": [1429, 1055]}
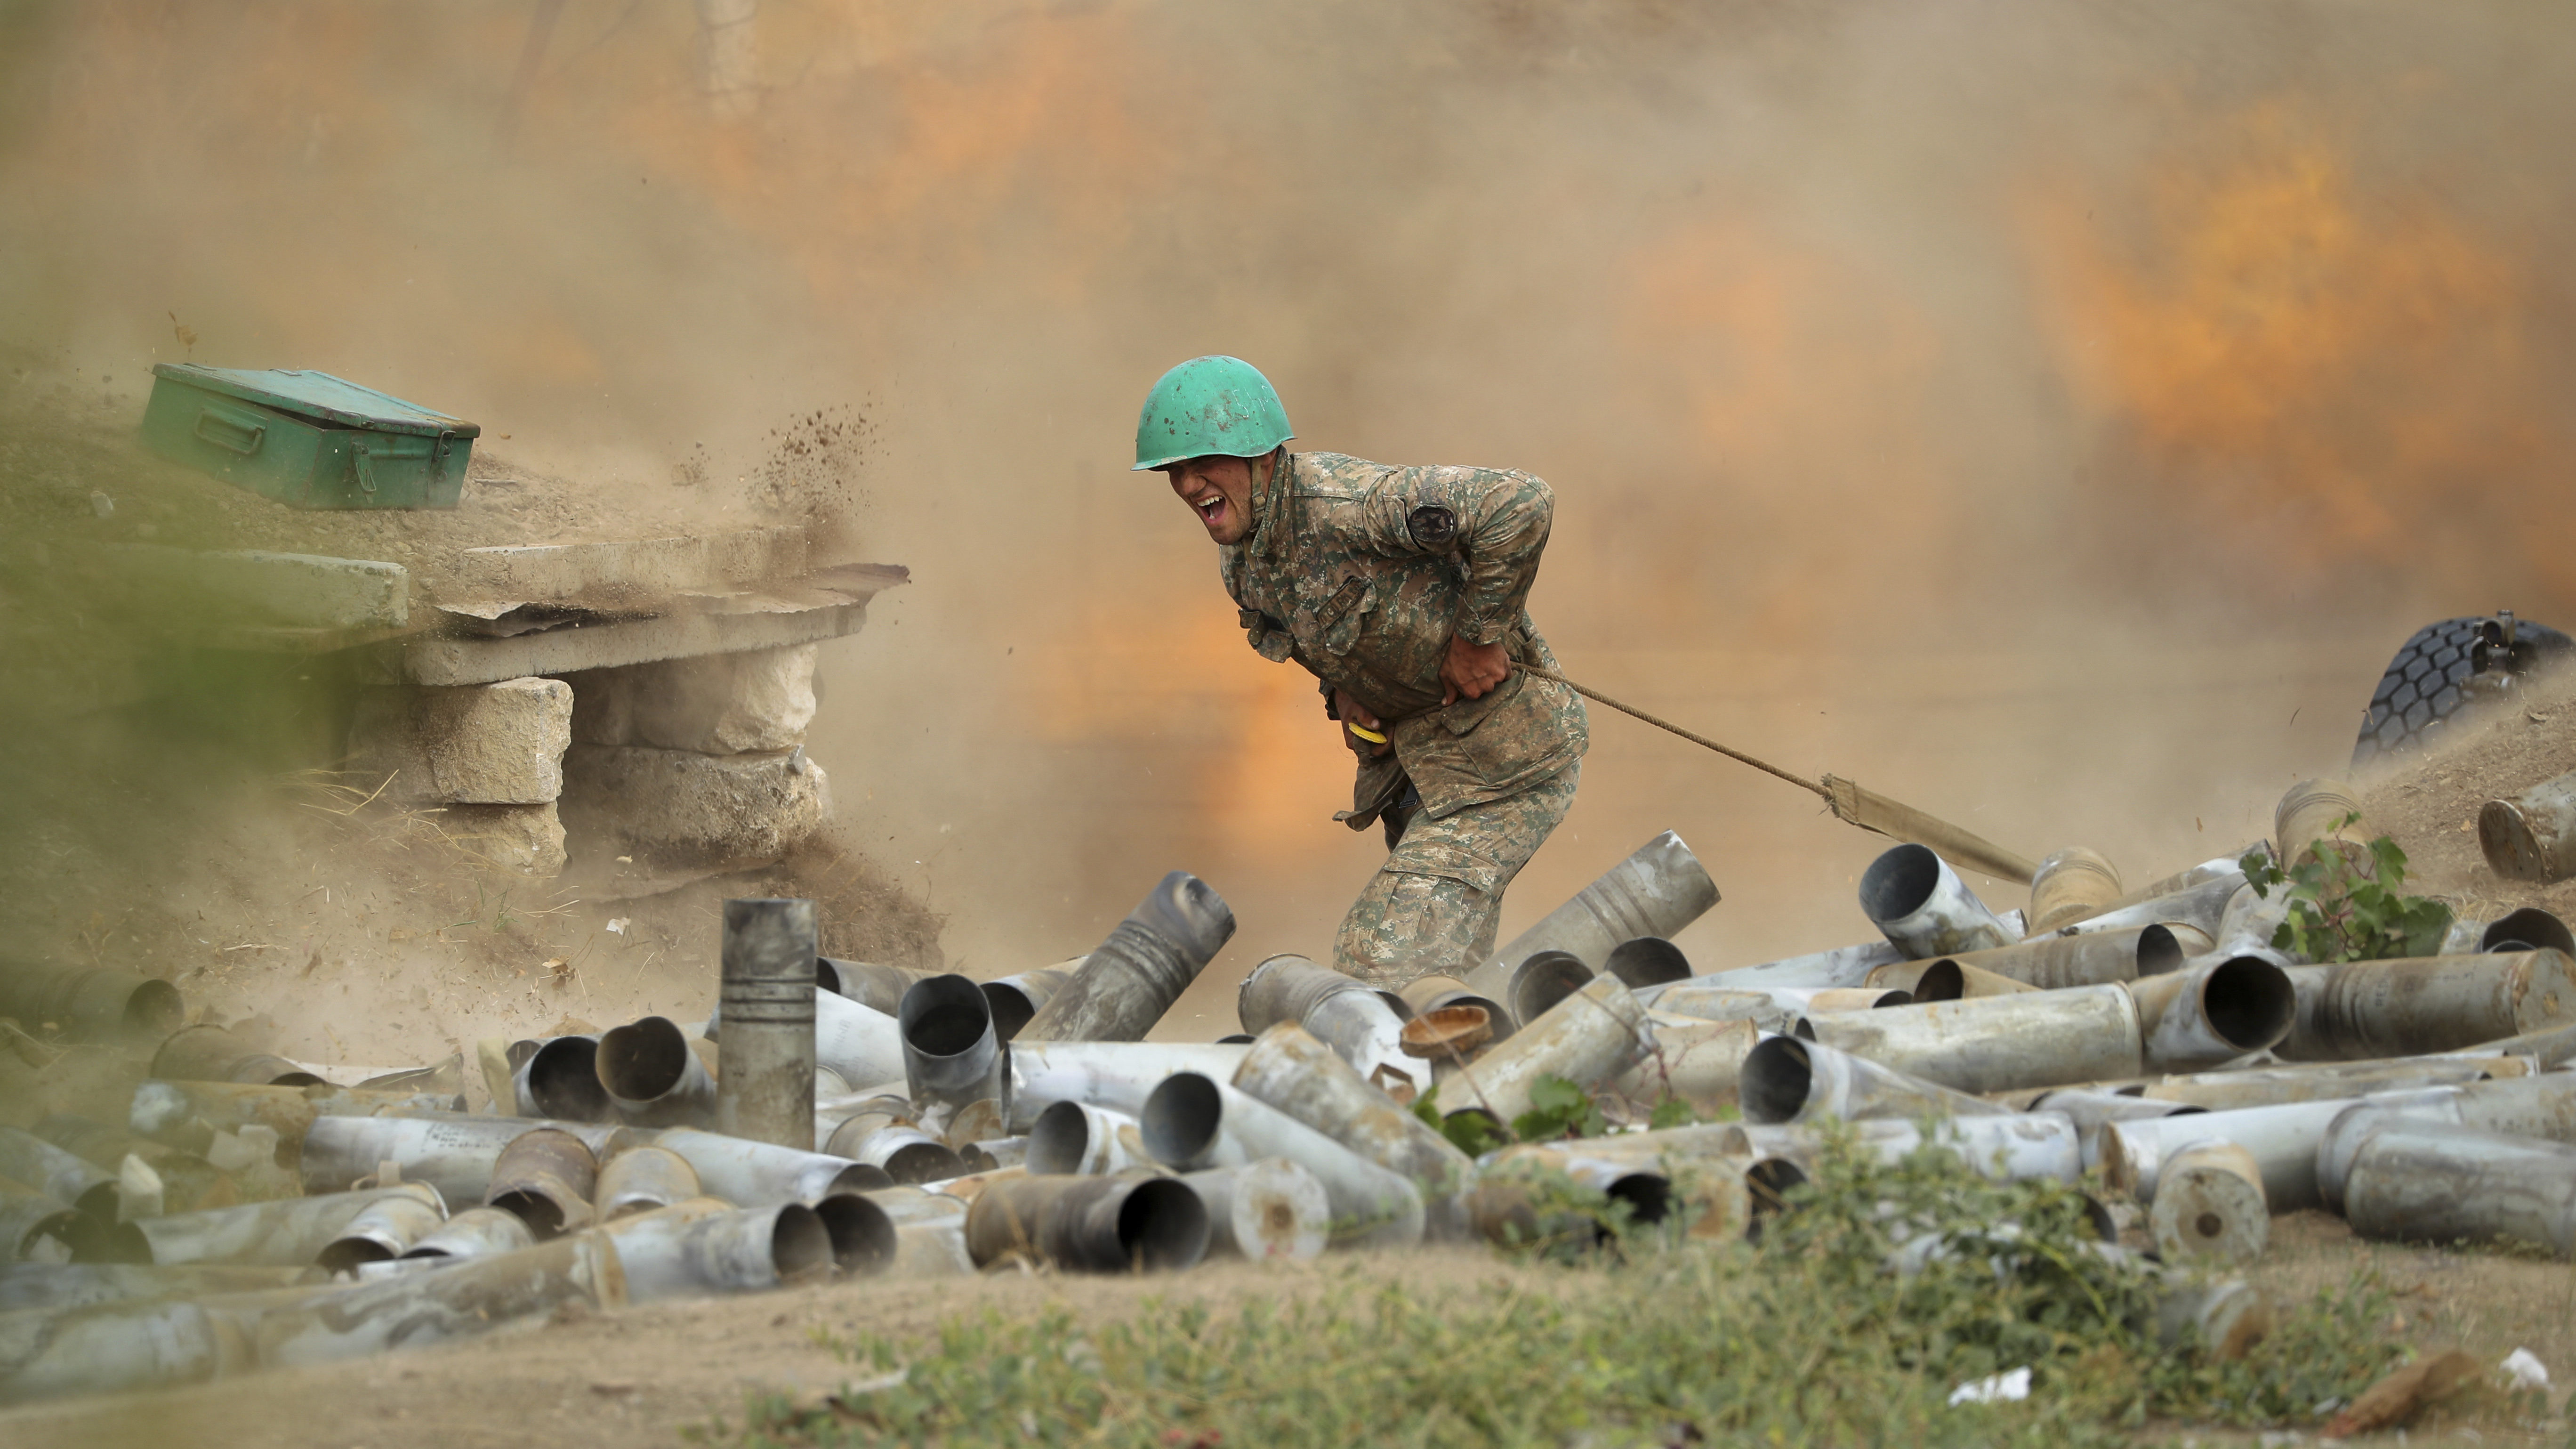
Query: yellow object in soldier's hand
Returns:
{"type": "Point", "coordinates": [1372, 736]}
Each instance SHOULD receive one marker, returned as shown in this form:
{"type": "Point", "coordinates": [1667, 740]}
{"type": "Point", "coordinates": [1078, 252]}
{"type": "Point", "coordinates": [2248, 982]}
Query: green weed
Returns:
{"type": "Point", "coordinates": [2338, 913]}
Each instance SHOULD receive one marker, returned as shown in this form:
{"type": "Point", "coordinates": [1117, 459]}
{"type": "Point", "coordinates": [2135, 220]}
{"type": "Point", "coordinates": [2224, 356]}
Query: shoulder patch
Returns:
{"type": "Point", "coordinates": [1433, 527]}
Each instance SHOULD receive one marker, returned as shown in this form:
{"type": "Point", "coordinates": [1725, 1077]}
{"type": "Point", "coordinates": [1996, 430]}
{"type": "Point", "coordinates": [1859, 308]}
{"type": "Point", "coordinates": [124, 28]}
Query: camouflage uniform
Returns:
{"type": "Point", "coordinates": [1361, 572]}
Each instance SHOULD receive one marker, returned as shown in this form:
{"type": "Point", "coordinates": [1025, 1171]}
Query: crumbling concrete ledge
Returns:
{"type": "Point", "coordinates": [681, 810]}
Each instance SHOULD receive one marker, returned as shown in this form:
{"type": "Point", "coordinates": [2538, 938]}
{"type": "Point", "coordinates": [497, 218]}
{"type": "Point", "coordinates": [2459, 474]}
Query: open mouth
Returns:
{"type": "Point", "coordinates": [1211, 509]}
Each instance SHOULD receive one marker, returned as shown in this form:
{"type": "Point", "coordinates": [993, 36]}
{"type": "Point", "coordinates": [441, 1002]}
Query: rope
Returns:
{"type": "Point", "coordinates": [1665, 724]}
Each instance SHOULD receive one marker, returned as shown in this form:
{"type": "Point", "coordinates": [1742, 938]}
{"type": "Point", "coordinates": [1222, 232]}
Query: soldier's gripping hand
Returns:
{"type": "Point", "coordinates": [1351, 712]}
{"type": "Point", "coordinates": [1472, 671]}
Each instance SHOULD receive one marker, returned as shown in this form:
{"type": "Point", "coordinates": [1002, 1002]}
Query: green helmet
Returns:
{"type": "Point", "coordinates": [1209, 405]}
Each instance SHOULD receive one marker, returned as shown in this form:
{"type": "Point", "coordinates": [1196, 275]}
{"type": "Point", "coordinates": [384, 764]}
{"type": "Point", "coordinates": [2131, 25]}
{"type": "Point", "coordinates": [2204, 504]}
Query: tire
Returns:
{"type": "Point", "coordinates": [2429, 684]}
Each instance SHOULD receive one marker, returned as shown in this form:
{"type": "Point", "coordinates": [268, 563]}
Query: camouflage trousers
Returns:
{"type": "Point", "coordinates": [1434, 905]}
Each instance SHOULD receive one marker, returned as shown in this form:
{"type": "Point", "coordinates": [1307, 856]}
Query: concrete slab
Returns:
{"type": "Point", "coordinates": [710, 624]}
{"type": "Point", "coordinates": [489, 744]}
{"type": "Point", "coordinates": [680, 810]}
{"type": "Point", "coordinates": [628, 572]}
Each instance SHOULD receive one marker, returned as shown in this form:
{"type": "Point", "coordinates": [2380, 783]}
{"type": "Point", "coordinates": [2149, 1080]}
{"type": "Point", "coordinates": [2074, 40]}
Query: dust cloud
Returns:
{"type": "Point", "coordinates": [2051, 415]}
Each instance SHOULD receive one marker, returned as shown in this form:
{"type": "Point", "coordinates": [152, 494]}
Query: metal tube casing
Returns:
{"type": "Point", "coordinates": [705, 1247]}
{"type": "Point", "coordinates": [767, 1005]}
{"type": "Point", "coordinates": [1289, 987]}
{"type": "Point", "coordinates": [2368, 1009]}
{"type": "Point", "coordinates": [382, 1230]}
{"type": "Point", "coordinates": [1076, 1139]}
{"type": "Point", "coordinates": [1788, 1080]}
{"type": "Point", "coordinates": [1997, 1043]}
{"type": "Point", "coordinates": [1841, 966]}
{"type": "Point", "coordinates": [1647, 961]}
{"type": "Point", "coordinates": [88, 1005]}
{"type": "Point", "coordinates": [1291, 1071]}
{"type": "Point", "coordinates": [1502, 1208]}
{"type": "Point", "coordinates": [35, 1226]}
{"type": "Point", "coordinates": [2447, 1184]}
{"type": "Point", "coordinates": [1589, 1038]}
{"type": "Point", "coordinates": [1125, 986]}
{"type": "Point", "coordinates": [1015, 999]}
{"type": "Point", "coordinates": [2091, 1111]}
{"type": "Point", "coordinates": [1192, 1122]}
{"type": "Point", "coordinates": [856, 1042]}
{"type": "Point", "coordinates": [30, 1159]}
{"type": "Point", "coordinates": [1113, 1074]}
{"type": "Point", "coordinates": [2541, 1107]}
{"type": "Point", "coordinates": [2213, 1012]}
{"type": "Point", "coordinates": [2209, 1204]}
{"type": "Point", "coordinates": [2316, 810]}
{"type": "Point", "coordinates": [876, 987]}
{"type": "Point", "coordinates": [2282, 1139]}
{"type": "Point", "coordinates": [2531, 836]}
{"type": "Point", "coordinates": [906, 1154]}
{"type": "Point", "coordinates": [1699, 1062]}
{"type": "Point", "coordinates": [2200, 906]}
{"type": "Point", "coordinates": [1091, 1224]}
{"type": "Point", "coordinates": [287, 1233]}
{"type": "Point", "coordinates": [2525, 929]}
{"type": "Point", "coordinates": [2006, 1148]}
{"type": "Point", "coordinates": [454, 1153]}
{"type": "Point", "coordinates": [2320, 1081]}
{"type": "Point", "coordinates": [59, 1286]}
{"type": "Point", "coordinates": [1924, 909]}
{"type": "Point", "coordinates": [212, 1054]}
{"type": "Point", "coordinates": [653, 1078]}
{"type": "Point", "coordinates": [2051, 962]}
{"type": "Point", "coordinates": [640, 1179]}
{"type": "Point", "coordinates": [1270, 1209]}
{"type": "Point", "coordinates": [1656, 891]}
{"type": "Point", "coordinates": [547, 1176]}
{"type": "Point", "coordinates": [1366, 1033]}
{"type": "Point", "coordinates": [2070, 885]}
{"type": "Point", "coordinates": [479, 1232]}
{"type": "Point", "coordinates": [415, 1310]}
{"type": "Point", "coordinates": [560, 1082]}
{"type": "Point", "coordinates": [951, 1053]}
{"type": "Point", "coordinates": [756, 1174]}
{"type": "Point", "coordinates": [1941, 979]}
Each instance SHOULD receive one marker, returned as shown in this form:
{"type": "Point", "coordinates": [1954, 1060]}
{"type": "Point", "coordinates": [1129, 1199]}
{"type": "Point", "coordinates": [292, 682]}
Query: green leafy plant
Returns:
{"type": "Point", "coordinates": [1559, 1108]}
{"type": "Point", "coordinates": [2342, 912]}
{"type": "Point", "coordinates": [1472, 1133]}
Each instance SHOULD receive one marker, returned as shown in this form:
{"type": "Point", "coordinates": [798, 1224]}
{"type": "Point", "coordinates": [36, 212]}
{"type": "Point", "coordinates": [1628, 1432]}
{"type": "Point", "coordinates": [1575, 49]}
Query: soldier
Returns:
{"type": "Point", "coordinates": [1402, 590]}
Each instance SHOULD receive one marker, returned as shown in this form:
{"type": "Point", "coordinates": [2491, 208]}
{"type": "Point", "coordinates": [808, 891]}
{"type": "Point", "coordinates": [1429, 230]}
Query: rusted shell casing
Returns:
{"type": "Point", "coordinates": [2095, 959]}
{"type": "Point", "coordinates": [1124, 987]}
{"type": "Point", "coordinates": [1090, 1224]}
{"type": "Point", "coordinates": [2071, 885]}
{"type": "Point", "coordinates": [287, 1233]}
{"type": "Point", "coordinates": [1265, 1210]}
{"type": "Point", "coordinates": [89, 1005]}
{"type": "Point", "coordinates": [1590, 1037]}
{"type": "Point", "coordinates": [1505, 1209]}
{"type": "Point", "coordinates": [1076, 1139]}
{"type": "Point", "coordinates": [2283, 1140]}
{"type": "Point", "coordinates": [2531, 836]}
{"type": "Point", "coordinates": [1429, 993]}
{"type": "Point", "coordinates": [877, 987]}
{"type": "Point", "coordinates": [2209, 1205]}
{"type": "Point", "coordinates": [2213, 1012]}
{"type": "Point", "coordinates": [705, 1247]}
{"type": "Point", "coordinates": [951, 1053]}
{"type": "Point", "coordinates": [640, 1179]}
{"type": "Point", "coordinates": [1112, 1074]}
{"type": "Point", "coordinates": [2447, 1184]}
{"type": "Point", "coordinates": [768, 1004]}
{"type": "Point", "coordinates": [1656, 891]}
{"type": "Point", "coordinates": [2370, 1009]}
{"type": "Point", "coordinates": [67, 1177]}
{"type": "Point", "coordinates": [1699, 1062]}
{"type": "Point", "coordinates": [1192, 1122]}
{"type": "Point", "coordinates": [1941, 979]}
{"type": "Point", "coordinates": [1919, 903]}
{"type": "Point", "coordinates": [560, 1081]}
{"type": "Point", "coordinates": [653, 1078]}
{"type": "Point", "coordinates": [452, 1152]}
{"type": "Point", "coordinates": [2528, 928]}
{"type": "Point", "coordinates": [842, 1123]}
{"type": "Point", "coordinates": [1015, 1000]}
{"type": "Point", "coordinates": [478, 1232]}
{"type": "Point", "coordinates": [546, 1175]}
{"type": "Point", "coordinates": [2315, 810]}
{"type": "Point", "coordinates": [2541, 1107]}
{"type": "Point", "coordinates": [2200, 906]}
{"type": "Point", "coordinates": [1997, 1043]}
{"type": "Point", "coordinates": [1292, 1071]}
{"type": "Point", "coordinates": [382, 1230]}
{"type": "Point", "coordinates": [1788, 1080]}
{"type": "Point", "coordinates": [36, 1227]}
{"type": "Point", "coordinates": [212, 1054]}
{"type": "Point", "coordinates": [1647, 961]}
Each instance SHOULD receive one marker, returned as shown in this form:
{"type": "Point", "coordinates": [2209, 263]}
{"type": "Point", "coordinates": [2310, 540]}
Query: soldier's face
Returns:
{"type": "Point", "coordinates": [1219, 490]}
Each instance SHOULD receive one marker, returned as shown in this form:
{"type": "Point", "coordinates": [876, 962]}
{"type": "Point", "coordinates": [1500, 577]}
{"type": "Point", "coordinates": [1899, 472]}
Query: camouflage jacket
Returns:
{"type": "Point", "coordinates": [1362, 571]}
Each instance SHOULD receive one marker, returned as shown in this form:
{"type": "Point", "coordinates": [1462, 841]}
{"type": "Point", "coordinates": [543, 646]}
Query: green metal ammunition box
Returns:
{"type": "Point", "coordinates": [307, 439]}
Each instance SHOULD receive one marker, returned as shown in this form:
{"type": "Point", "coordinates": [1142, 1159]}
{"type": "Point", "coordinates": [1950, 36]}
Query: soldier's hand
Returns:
{"type": "Point", "coordinates": [1352, 712]}
{"type": "Point", "coordinates": [1472, 671]}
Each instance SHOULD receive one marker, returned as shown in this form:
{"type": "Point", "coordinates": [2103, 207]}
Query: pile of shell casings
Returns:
{"type": "Point", "coordinates": [844, 1119]}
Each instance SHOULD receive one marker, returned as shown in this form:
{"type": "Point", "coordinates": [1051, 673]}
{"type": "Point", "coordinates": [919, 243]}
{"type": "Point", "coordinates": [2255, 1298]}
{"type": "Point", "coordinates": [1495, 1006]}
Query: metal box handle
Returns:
{"type": "Point", "coordinates": [427, 451]}
{"type": "Point", "coordinates": [231, 430]}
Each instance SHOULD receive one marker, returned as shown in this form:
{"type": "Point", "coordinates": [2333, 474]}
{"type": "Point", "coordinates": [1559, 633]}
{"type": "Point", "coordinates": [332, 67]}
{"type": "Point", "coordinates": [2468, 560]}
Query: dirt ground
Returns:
{"type": "Point", "coordinates": [2430, 806]}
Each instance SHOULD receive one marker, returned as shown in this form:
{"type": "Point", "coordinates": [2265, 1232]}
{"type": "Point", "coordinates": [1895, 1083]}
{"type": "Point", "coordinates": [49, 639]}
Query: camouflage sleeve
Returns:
{"type": "Point", "coordinates": [1496, 522]}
